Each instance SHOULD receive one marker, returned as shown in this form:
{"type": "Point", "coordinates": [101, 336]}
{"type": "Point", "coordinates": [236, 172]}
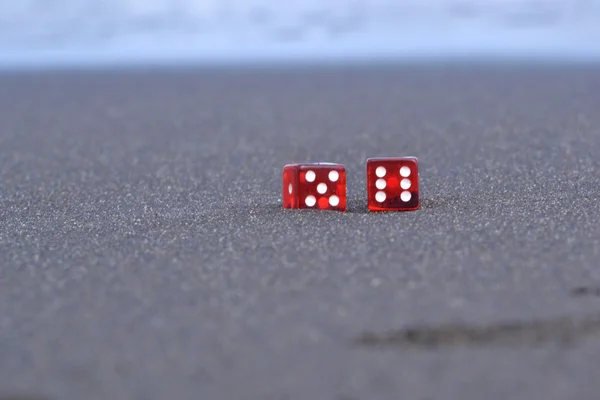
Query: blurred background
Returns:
{"type": "Point", "coordinates": [91, 32]}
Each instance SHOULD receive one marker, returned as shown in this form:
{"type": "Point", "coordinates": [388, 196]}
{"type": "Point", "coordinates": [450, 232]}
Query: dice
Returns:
{"type": "Point", "coordinates": [314, 185]}
{"type": "Point", "coordinates": [393, 184]}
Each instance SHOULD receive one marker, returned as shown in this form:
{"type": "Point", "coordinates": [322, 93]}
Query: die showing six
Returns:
{"type": "Point", "coordinates": [392, 185]}
{"type": "Point", "coordinates": [314, 185]}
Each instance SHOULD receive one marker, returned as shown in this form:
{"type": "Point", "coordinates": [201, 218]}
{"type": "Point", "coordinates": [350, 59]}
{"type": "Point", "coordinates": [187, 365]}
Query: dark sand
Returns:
{"type": "Point", "coordinates": [144, 253]}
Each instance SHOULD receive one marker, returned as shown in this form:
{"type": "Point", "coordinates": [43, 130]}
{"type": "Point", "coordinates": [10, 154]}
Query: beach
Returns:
{"type": "Point", "coordinates": [145, 252]}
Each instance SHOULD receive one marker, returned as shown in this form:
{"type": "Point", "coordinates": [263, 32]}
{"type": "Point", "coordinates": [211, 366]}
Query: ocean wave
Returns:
{"type": "Point", "coordinates": [40, 31]}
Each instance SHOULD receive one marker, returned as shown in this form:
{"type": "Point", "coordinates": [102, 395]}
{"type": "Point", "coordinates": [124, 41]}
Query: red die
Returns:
{"type": "Point", "coordinates": [393, 184]}
{"type": "Point", "coordinates": [314, 185]}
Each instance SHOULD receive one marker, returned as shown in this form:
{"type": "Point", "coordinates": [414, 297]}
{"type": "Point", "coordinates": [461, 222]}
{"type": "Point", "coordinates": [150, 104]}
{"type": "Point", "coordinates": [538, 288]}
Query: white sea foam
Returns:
{"type": "Point", "coordinates": [79, 31]}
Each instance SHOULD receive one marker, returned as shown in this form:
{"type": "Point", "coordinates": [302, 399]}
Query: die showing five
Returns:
{"type": "Point", "coordinates": [314, 185]}
{"type": "Point", "coordinates": [392, 185]}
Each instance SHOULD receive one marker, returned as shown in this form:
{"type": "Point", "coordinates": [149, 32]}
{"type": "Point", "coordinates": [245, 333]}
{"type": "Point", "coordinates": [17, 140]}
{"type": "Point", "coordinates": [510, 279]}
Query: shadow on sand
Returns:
{"type": "Point", "coordinates": [563, 331]}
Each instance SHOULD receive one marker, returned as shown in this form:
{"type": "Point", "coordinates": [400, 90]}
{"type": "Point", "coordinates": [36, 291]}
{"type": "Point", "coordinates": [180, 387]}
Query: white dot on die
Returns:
{"type": "Point", "coordinates": [311, 176]}
{"type": "Point", "coordinates": [405, 196]}
{"type": "Point", "coordinates": [380, 196]}
{"type": "Point", "coordinates": [290, 188]}
{"type": "Point", "coordinates": [334, 176]}
{"type": "Point", "coordinates": [380, 172]}
{"type": "Point", "coordinates": [405, 183]}
{"type": "Point", "coordinates": [322, 188]}
{"type": "Point", "coordinates": [380, 184]}
{"type": "Point", "coordinates": [310, 201]}
{"type": "Point", "coordinates": [405, 171]}
{"type": "Point", "coordinates": [334, 200]}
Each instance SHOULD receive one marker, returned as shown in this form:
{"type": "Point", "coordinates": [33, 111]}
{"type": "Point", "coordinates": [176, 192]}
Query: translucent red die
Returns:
{"type": "Point", "coordinates": [393, 184]}
{"type": "Point", "coordinates": [314, 185]}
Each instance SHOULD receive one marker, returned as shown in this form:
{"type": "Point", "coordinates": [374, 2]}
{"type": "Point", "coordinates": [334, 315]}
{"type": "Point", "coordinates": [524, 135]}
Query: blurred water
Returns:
{"type": "Point", "coordinates": [93, 31]}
